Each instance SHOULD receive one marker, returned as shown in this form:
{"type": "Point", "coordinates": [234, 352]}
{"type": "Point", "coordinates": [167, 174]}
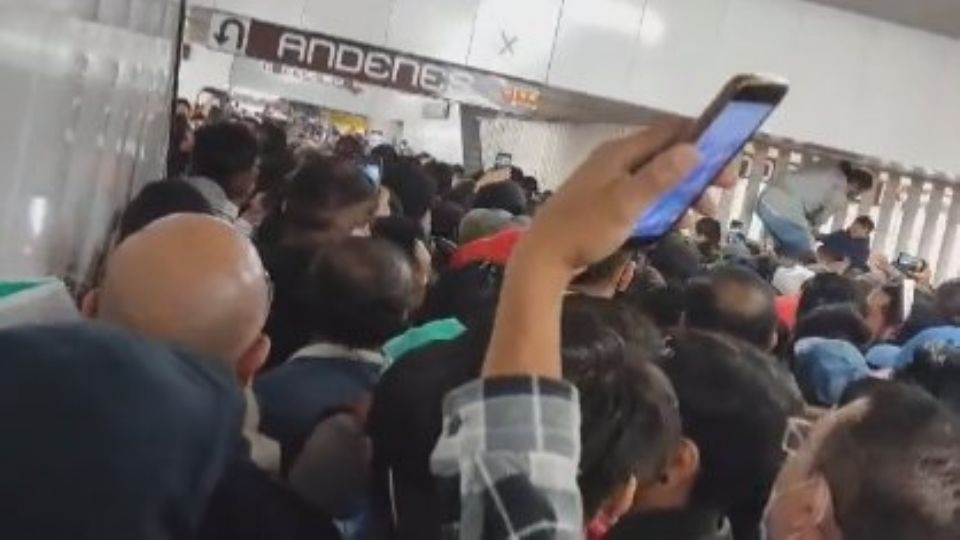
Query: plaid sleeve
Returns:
{"type": "Point", "coordinates": [507, 461]}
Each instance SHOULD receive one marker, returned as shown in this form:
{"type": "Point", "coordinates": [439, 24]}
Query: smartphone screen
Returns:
{"type": "Point", "coordinates": [719, 143]}
{"type": "Point", "coordinates": [503, 160]}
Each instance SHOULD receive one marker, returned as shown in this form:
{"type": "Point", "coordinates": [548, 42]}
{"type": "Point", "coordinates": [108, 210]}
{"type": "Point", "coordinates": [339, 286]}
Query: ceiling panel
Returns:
{"type": "Point", "coordinates": [940, 16]}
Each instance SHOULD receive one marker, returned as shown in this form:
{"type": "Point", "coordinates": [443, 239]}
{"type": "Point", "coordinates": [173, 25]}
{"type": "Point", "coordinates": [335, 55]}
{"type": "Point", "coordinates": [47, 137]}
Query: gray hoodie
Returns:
{"type": "Point", "coordinates": [809, 196]}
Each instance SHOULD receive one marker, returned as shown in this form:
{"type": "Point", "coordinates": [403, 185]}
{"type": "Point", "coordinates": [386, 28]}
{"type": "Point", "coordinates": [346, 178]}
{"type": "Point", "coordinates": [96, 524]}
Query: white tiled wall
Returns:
{"type": "Point", "coordinates": [530, 24]}
{"type": "Point", "coordinates": [859, 84]}
{"type": "Point", "coordinates": [361, 20]}
{"type": "Point", "coordinates": [433, 28]}
{"type": "Point", "coordinates": [596, 46]}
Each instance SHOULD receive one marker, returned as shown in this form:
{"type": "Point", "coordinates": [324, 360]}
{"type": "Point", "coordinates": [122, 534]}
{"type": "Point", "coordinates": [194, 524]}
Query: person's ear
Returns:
{"type": "Point", "coordinates": [627, 273]}
{"type": "Point", "coordinates": [90, 304]}
{"type": "Point", "coordinates": [252, 360]}
{"type": "Point", "coordinates": [671, 490]}
{"type": "Point", "coordinates": [686, 461]}
{"type": "Point", "coordinates": [813, 505]}
{"type": "Point", "coordinates": [620, 502]}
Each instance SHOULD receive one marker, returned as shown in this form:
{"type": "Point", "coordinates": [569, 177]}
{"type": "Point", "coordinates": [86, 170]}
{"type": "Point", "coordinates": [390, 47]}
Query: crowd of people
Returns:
{"type": "Point", "coordinates": [298, 342]}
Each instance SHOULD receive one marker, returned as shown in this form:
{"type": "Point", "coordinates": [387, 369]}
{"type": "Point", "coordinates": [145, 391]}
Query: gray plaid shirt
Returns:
{"type": "Point", "coordinates": [507, 461]}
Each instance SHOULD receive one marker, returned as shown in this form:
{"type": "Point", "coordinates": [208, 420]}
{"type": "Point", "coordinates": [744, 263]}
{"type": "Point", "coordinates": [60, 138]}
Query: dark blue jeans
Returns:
{"type": "Point", "coordinates": [791, 239]}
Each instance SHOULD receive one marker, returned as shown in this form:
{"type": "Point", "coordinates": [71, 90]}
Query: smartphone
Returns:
{"type": "Point", "coordinates": [503, 160]}
{"type": "Point", "coordinates": [908, 264]}
{"type": "Point", "coordinates": [720, 134]}
{"type": "Point", "coordinates": [372, 169]}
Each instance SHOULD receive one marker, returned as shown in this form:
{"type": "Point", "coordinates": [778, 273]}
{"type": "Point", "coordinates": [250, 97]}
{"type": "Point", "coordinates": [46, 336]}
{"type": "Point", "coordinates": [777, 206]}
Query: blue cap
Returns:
{"type": "Point", "coordinates": [825, 367]}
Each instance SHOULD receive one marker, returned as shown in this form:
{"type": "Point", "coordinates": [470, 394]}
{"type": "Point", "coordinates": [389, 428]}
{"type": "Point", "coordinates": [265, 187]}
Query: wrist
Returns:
{"type": "Point", "coordinates": [539, 266]}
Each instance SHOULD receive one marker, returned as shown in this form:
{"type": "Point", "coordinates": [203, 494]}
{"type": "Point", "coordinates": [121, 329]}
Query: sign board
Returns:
{"type": "Point", "coordinates": [352, 60]}
{"type": "Point", "coordinates": [228, 33]}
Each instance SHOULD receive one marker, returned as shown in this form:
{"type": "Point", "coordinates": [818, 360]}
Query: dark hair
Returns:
{"type": "Point", "coordinates": [387, 153]}
{"type": "Point", "coordinates": [447, 216]}
{"type": "Point", "coordinates": [224, 150]}
{"type": "Point", "coordinates": [662, 305]}
{"type": "Point", "coordinates": [160, 199]}
{"type": "Point", "coordinates": [607, 269]}
{"type": "Point", "coordinates": [936, 370]}
{"type": "Point", "coordinates": [923, 316]}
{"type": "Point", "coordinates": [359, 292]}
{"type": "Point", "coordinates": [710, 229]}
{"type": "Point", "coordinates": [463, 194]}
{"type": "Point", "coordinates": [858, 176]}
{"type": "Point", "coordinates": [401, 232]}
{"type": "Point", "coordinates": [835, 321]}
{"type": "Point", "coordinates": [530, 186]}
{"type": "Point", "coordinates": [177, 160]}
{"type": "Point", "coordinates": [406, 415]}
{"type": "Point", "coordinates": [866, 222]}
{"type": "Point", "coordinates": [502, 196]}
{"type": "Point", "coordinates": [414, 187]}
{"type": "Point", "coordinates": [321, 188]}
{"type": "Point", "coordinates": [630, 422]}
{"type": "Point", "coordinates": [947, 302]}
{"type": "Point", "coordinates": [734, 404]}
{"type": "Point", "coordinates": [463, 293]}
{"type": "Point", "coordinates": [675, 258]}
{"type": "Point", "coordinates": [831, 253]}
{"type": "Point", "coordinates": [894, 472]}
{"type": "Point", "coordinates": [348, 147]}
{"type": "Point", "coordinates": [442, 173]}
{"type": "Point", "coordinates": [826, 289]}
{"type": "Point", "coordinates": [732, 300]}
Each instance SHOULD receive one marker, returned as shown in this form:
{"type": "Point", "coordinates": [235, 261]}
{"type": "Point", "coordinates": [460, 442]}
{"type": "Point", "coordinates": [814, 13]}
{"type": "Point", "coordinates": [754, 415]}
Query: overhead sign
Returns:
{"type": "Point", "coordinates": [367, 64]}
{"type": "Point", "coordinates": [228, 33]}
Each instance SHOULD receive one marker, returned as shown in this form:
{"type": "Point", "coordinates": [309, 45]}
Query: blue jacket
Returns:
{"type": "Point", "coordinates": [315, 382]}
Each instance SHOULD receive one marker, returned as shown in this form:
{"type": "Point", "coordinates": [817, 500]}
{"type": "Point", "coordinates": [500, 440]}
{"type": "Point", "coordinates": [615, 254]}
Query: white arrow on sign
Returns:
{"type": "Point", "coordinates": [228, 32]}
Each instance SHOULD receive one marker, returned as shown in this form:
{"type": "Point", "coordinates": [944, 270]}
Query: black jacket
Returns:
{"type": "Point", "coordinates": [685, 524]}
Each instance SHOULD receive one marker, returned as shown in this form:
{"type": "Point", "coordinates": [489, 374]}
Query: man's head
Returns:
{"type": "Point", "coordinates": [415, 189]}
{"type": "Point", "coordinates": [733, 300]}
{"type": "Point", "coordinates": [859, 180]}
{"type": "Point", "coordinates": [885, 466]}
{"type": "Point", "coordinates": [195, 281]}
{"type": "Point", "coordinates": [407, 235]}
{"type": "Point", "coordinates": [832, 260]}
{"type": "Point", "coordinates": [827, 289]}
{"type": "Point", "coordinates": [327, 199]}
{"type": "Point", "coordinates": [862, 228]}
{"type": "Point", "coordinates": [937, 370]}
{"type": "Point", "coordinates": [358, 293]}
{"type": "Point", "coordinates": [708, 231]}
{"type": "Point", "coordinates": [947, 302]}
{"type": "Point", "coordinates": [630, 422]}
{"type": "Point", "coordinates": [507, 196]}
{"type": "Point", "coordinates": [183, 108]}
{"type": "Point", "coordinates": [835, 321]}
{"type": "Point", "coordinates": [609, 276]}
{"type": "Point", "coordinates": [734, 406]}
{"type": "Point", "coordinates": [226, 152]}
{"type": "Point", "coordinates": [160, 199]}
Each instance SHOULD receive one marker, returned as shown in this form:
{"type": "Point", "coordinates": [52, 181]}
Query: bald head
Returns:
{"type": "Point", "coordinates": [190, 279]}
